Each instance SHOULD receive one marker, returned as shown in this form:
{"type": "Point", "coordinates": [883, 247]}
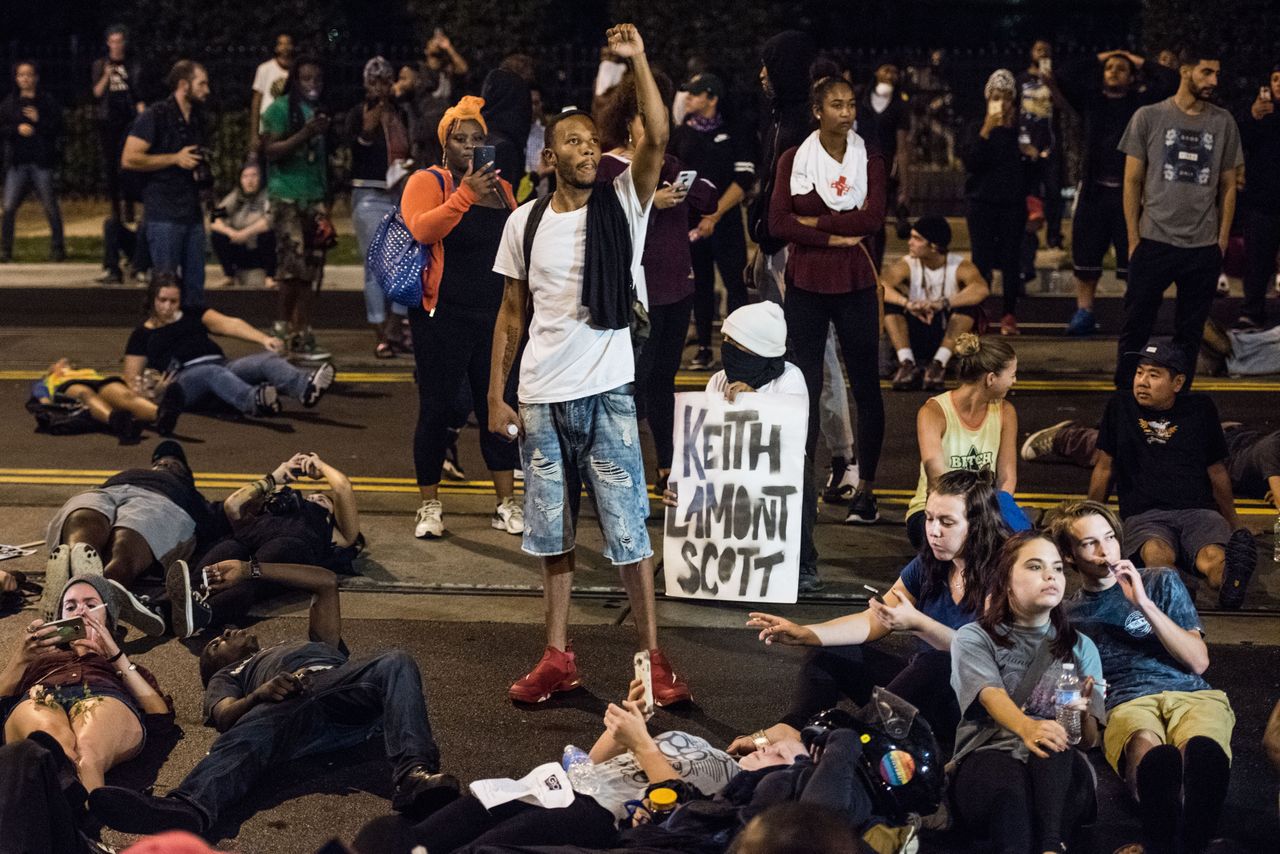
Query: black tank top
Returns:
{"type": "Point", "coordinates": [469, 281]}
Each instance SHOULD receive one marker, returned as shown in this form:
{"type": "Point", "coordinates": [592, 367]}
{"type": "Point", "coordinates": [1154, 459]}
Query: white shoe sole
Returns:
{"type": "Point", "coordinates": [85, 560]}
{"type": "Point", "coordinates": [177, 586]}
{"type": "Point", "coordinates": [136, 614]}
{"type": "Point", "coordinates": [502, 525]}
{"type": "Point", "coordinates": [57, 571]}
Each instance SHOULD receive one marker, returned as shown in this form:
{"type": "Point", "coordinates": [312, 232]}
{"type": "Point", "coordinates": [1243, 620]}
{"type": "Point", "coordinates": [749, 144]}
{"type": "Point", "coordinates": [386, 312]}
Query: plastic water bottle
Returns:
{"type": "Point", "coordinates": [1068, 691]}
{"type": "Point", "coordinates": [581, 770]}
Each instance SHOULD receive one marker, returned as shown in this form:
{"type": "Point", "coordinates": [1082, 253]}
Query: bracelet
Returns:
{"type": "Point", "coordinates": [132, 668]}
{"type": "Point", "coordinates": [113, 659]}
{"type": "Point", "coordinates": [760, 739]}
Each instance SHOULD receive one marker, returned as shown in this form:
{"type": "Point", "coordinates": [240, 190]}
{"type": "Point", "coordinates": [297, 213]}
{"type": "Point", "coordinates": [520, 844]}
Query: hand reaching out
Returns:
{"type": "Point", "coordinates": [780, 630]}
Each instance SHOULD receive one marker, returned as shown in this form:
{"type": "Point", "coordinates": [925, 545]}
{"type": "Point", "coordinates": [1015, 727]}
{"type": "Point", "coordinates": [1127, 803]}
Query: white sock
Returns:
{"type": "Point", "coordinates": [943, 356]}
{"type": "Point", "coordinates": [905, 355]}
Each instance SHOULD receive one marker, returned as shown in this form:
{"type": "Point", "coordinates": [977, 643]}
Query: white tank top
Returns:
{"type": "Point", "coordinates": [929, 284]}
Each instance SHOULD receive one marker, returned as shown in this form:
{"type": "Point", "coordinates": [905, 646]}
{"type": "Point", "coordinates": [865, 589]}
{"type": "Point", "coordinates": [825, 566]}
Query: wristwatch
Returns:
{"type": "Point", "coordinates": [255, 568]}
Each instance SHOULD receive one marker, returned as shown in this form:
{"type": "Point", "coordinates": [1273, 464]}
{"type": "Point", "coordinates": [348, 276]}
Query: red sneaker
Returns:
{"type": "Point", "coordinates": [556, 672]}
{"type": "Point", "coordinates": [668, 688]}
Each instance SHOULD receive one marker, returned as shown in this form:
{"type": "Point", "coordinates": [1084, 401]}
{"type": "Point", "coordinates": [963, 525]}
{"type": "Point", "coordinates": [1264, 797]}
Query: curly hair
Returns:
{"type": "Point", "coordinates": [987, 533]}
{"type": "Point", "coordinates": [997, 614]}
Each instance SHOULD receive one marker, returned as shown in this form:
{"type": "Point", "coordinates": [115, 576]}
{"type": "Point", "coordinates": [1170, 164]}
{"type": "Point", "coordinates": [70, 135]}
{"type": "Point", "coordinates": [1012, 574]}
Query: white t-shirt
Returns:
{"type": "Point", "coordinates": [567, 358]}
{"type": "Point", "coordinates": [268, 81]}
{"type": "Point", "coordinates": [621, 779]}
{"type": "Point", "coordinates": [791, 382]}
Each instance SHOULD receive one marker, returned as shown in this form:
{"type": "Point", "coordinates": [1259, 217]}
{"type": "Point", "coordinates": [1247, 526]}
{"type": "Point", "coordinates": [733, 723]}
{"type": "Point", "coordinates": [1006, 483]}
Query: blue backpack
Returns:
{"type": "Point", "coordinates": [396, 260]}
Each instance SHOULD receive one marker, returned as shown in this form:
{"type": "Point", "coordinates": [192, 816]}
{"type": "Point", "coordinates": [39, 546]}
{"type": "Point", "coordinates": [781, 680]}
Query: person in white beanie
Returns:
{"type": "Point", "coordinates": [754, 357]}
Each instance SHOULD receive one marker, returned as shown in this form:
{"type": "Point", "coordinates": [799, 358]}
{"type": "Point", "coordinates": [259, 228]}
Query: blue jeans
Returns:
{"type": "Point", "coordinates": [234, 382]}
{"type": "Point", "coordinates": [592, 440]}
{"type": "Point", "coordinates": [19, 181]}
{"type": "Point", "coordinates": [345, 707]}
{"type": "Point", "coordinates": [368, 207]}
{"type": "Point", "coordinates": [178, 247]}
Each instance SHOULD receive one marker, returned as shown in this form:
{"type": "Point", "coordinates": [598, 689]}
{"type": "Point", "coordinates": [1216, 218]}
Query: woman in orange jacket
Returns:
{"type": "Point", "coordinates": [459, 213]}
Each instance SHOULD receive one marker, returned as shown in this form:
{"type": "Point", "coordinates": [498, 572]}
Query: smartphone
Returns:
{"type": "Point", "coordinates": [645, 675]}
{"type": "Point", "coordinates": [482, 157]}
{"type": "Point", "coordinates": [685, 180]}
{"type": "Point", "coordinates": [68, 630]}
{"type": "Point", "coordinates": [875, 593]}
{"type": "Point", "coordinates": [1264, 93]}
{"type": "Point", "coordinates": [1046, 65]}
{"type": "Point", "coordinates": [995, 107]}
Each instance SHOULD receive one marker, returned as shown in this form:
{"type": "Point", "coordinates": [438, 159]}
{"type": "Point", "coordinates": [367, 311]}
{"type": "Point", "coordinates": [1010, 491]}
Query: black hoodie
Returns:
{"type": "Point", "coordinates": [508, 114]}
{"type": "Point", "coordinates": [786, 57]}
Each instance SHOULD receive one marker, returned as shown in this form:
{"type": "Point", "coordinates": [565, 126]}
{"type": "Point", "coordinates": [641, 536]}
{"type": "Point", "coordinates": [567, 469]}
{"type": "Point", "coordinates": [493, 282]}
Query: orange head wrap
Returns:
{"type": "Point", "coordinates": [468, 108]}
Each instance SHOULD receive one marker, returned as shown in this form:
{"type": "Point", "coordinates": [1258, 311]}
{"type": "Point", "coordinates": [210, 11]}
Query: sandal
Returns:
{"type": "Point", "coordinates": [384, 351]}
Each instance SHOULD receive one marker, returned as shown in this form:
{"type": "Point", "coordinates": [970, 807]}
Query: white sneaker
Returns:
{"type": "Point", "coordinates": [508, 516]}
{"type": "Point", "coordinates": [430, 521]}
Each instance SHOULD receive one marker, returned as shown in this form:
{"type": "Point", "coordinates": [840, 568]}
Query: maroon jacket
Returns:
{"type": "Point", "coordinates": [812, 265]}
{"type": "Point", "coordinates": [666, 260]}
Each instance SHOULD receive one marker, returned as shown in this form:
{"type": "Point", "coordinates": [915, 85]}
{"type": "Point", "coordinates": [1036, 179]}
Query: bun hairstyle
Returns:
{"type": "Point", "coordinates": [822, 86]}
{"type": "Point", "coordinates": [976, 357]}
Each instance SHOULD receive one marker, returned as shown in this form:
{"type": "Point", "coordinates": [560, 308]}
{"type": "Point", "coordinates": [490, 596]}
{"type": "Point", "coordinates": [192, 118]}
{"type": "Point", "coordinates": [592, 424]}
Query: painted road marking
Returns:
{"type": "Point", "coordinates": [694, 380]}
{"type": "Point", "coordinates": [408, 486]}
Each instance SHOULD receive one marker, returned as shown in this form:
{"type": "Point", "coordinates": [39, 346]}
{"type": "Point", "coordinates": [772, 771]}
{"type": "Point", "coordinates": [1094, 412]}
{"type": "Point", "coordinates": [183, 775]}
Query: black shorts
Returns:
{"type": "Point", "coordinates": [926, 339]}
{"type": "Point", "coordinates": [94, 385]}
{"type": "Point", "coordinates": [1098, 224]}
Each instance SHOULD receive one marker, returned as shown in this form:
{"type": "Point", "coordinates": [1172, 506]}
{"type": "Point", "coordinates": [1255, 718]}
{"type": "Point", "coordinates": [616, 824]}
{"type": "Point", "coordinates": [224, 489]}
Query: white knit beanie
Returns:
{"type": "Point", "coordinates": [759, 327]}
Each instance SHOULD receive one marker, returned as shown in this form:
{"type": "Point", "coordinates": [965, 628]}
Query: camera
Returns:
{"type": "Point", "coordinates": [284, 502]}
{"type": "Point", "coordinates": [202, 174]}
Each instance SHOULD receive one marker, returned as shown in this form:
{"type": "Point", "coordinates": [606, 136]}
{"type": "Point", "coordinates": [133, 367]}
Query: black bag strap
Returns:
{"type": "Point", "coordinates": [1030, 678]}
{"type": "Point", "coordinates": [531, 230]}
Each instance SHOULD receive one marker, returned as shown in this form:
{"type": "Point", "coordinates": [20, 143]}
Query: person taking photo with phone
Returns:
{"type": "Point", "coordinates": [69, 678]}
{"type": "Point", "coordinates": [459, 210]}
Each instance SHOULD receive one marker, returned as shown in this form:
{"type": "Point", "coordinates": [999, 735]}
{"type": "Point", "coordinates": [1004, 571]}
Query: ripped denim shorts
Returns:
{"type": "Point", "coordinates": [592, 441]}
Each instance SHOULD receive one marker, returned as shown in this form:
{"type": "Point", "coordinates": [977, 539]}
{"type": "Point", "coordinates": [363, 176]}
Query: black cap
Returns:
{"type": "Point", "coordinates": [934, 229]}
{"type": "Point", "coordinates": [170, 448]}
{"type": "Point", "coordinates": [704, 82]}
{"type": "Point", "coordinates": [1165, 354]}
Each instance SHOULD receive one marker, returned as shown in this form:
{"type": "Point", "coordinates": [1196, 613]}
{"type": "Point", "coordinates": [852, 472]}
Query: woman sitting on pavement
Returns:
{"type": "Point", "coordinates": [460, 213]}
{"type": "Point", "coordinates": [109, 399]}
{"type": "Point", "coordinates": [87, 695]}
{"type": "Point", "coordinates": [241, 231]}
{"type": "Point", "coordinates": [177, 342]}
{"type": "Point", "coordinates": [971, 427]}
{"type": "Point", "coordinates": [1020, 783]}
{"type": "Point", "coordinates": [939, 591]}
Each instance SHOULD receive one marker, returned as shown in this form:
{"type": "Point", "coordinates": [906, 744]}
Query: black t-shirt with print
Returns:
{"type": "Point", "coordinates": [1162, 456]}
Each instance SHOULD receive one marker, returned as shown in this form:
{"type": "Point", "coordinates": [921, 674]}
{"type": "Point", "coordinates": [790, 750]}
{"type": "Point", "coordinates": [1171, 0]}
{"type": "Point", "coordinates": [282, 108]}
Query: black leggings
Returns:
{"type": "Point", "coordinates": [726, 249]}
{"type": "Point", "coordinates": [656, 368]}
{"type": "Point", "coordinates": [833, 672]}
{"type": "Point", "coordinates": [996, 233]}
{"type": "Point", "coordinates": [449, 349]}
{"type": "Point", "coordinates": [1017, 805]}
{"type": "Point", "coordinates": [857, 321]}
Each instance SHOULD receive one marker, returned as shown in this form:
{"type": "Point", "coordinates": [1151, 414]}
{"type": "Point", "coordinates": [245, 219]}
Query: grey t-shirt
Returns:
{"type": "Point", "coordinates": [978, 662]}
{"type": "Point", "coordinates": [1185, 156]}
{"type": "Point", "coordinates": [694, 759]}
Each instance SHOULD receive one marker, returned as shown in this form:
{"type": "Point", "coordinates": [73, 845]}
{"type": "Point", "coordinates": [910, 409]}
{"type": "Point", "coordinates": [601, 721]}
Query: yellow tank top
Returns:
{"type": "Point", "coordinates": [962, 448]}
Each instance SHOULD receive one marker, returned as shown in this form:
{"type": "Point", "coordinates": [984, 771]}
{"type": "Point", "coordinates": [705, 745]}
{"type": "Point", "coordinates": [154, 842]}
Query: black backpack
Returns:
{"type": "Point", "coordinates": [61, 418]}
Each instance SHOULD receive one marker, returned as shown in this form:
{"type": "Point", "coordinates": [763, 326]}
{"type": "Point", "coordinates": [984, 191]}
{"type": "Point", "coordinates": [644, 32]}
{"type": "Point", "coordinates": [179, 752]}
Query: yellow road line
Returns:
{"type": "Point", "coordinates": [693, 380]}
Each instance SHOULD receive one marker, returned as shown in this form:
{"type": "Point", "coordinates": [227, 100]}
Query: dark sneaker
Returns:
{"type": "Point", "coordinates": [137, 611]}
{"type": "Point", "coordinates": [266, 400]}
{"type": "Point", "coordinates": [304, 346]}
{"type": "Point", "coordinates": [189, 614]}
{"type": "Point", "coordinates": [1082, 323]}
{"type": "Point", "coordinates": [935, 376]}
{"type": "Point", "coordinates": [57, 572]}
{"type": "Point", "coordinates": [1242, 559]}
{"type": "Point", "coordinates": [318, 384]}
{"type": "Point", "coordinates": [668, 688]}
{"type": "Point", "coordinates": [110, 277]}
{"type": "Point", "coordinates": [133, 812]}
{"type": "Point", "coordinates": [169, 408]}
{"type": "Point", "coordinates": [1040, 443]}
{"type": "Point", "coordinates": [907, 377]}
{"type": "Point", "coordinates": [841, 482]}
{"type": "Point", "coordinates": [863, 509]}
{"type": "Point", "coordinates": [420, 792]}
{"type": "Point", "coordinates": [123, 426]}
{"type": "Point", "coordinates": [1245, 323]}
{"type": "Point", "coordinates": [702, 360]}
{"type": "Point", "coordinates": [810, 582]}
{"type": "Point", "coordinates": [556, 673]}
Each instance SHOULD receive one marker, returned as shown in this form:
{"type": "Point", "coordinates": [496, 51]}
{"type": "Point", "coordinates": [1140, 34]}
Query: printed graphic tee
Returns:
{"type": "Point", "coordinates": [1184, 155]}
{"type": "Point", "coordinates": [1162, 456]}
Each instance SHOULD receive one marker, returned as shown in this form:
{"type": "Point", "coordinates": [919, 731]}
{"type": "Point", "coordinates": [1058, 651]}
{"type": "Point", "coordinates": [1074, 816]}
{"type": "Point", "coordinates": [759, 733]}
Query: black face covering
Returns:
{"type": "Point", "coordinates": [743, 367]}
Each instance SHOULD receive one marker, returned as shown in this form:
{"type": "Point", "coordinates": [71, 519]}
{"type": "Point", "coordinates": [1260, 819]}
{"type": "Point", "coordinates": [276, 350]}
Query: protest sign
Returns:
{"type": "Point", "coordinates": [739, 469]}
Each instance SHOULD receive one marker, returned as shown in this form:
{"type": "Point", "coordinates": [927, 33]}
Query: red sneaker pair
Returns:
{"type": "Point", "coordinates": [557, 672]}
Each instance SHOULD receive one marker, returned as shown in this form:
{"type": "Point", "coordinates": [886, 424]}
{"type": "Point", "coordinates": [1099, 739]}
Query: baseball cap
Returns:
{"type": "Point", "coordinates": [1165, 354]}
{"type": "Point", "coordinates": [704, 82]}
{"type": "Point", "coordinates": [170, 448]}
